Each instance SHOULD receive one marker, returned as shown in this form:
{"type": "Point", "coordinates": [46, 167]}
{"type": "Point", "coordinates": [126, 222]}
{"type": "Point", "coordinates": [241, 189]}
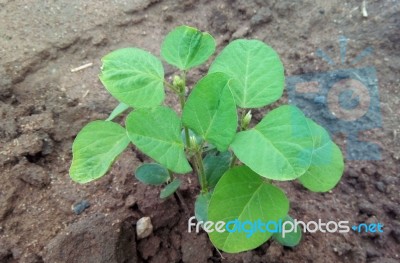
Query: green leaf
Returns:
{"type": "Point", "coordinates": [186, 47]}
{"type": "Point", "coordinates": [327, 165]}
{"type": "Point", "coordinates": [279, 147]}
{"type": "Point", "coordinates": [134, 77]}
{"type": "Point", "coordinates": [210, 111]}
{"type": "Point", "coordinates": [152, 173]}
{"type": "Point", "coordinates": [256, 69]}
{"type": "Point", "coordinates": [170, 188]}
{"type": "Point", "coordinates": [201, 207]}
{"type": "Point", "coordinates": [243, 195]}
{"type": "Point", "coordinates": [157, 133]}
{"type": "Point", "coordinates": [95, 148]}
{"type": "Point", "coordinates": [291, 238]}
{"type": "Point", "coordinates": [215, 165]}
{"type": "Point", "coordinates": [117, 111]}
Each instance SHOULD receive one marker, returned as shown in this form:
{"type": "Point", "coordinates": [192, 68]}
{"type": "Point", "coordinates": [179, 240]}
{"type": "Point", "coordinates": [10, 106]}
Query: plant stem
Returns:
{"type": "Point", "coordinates": [233, 161]}
{"type": "Point", "coordinates": [197, 157]}
{"type": "Point", "coordinates": [241, 114]}
{"type": "Point", "coordinates": [171, 175]}
{"type": "Point", "coordinates": [200, 171]}
{"type": "Point", "coordinates": [187, 137]}
{"type": "Point", "coordinates": [182, 98]}
{"type": "Point", "coordinates": [197, 171]}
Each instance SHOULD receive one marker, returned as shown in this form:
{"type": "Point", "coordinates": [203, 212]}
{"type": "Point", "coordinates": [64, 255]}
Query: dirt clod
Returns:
{"type": "Point", "coordinates": [149, 247]}
{"type": "Point", "coordinates": [195, 248]}
{"type": "Point", "coordinates": [43, 121]}
{"type": "Point", "coordinates": [94, 239]}
{"type": "Point", "coordinates": [32, 174]}
{"type": "Point", "coordinates": [263, 16]}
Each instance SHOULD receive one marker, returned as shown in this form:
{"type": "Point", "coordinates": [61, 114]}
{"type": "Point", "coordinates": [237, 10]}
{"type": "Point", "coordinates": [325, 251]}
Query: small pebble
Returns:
{"type": "Point", "coordinates": [144, 228]}
{"type": "Point", "coordinates": [380, 186]}
{"type": "Point", "coordinates": [81, 206]}
{"type": "Point", "coordinates": [320, 99]}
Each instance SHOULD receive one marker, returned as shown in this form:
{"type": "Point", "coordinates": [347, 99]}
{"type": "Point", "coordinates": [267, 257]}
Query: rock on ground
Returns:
{"type": "Point", "coordinates": [96, 239]}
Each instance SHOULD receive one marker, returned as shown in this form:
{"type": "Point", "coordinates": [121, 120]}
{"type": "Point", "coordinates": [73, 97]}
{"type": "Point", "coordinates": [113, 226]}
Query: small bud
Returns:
{"type": "Point", "coordinates": [193, 142]}
{"type": "Point", "coordinates": [246, 120]}
{"type": "Point", "coordinates": [178, 82]}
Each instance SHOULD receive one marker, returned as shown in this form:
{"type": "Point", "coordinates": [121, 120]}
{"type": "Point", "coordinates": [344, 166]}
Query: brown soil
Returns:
{"type": "Point", "coordinates": [43, 106]}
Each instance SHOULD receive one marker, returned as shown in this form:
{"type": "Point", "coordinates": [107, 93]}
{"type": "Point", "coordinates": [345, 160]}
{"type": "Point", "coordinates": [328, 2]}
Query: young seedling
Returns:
{"type": "Point", "coordinates": [236, 164]}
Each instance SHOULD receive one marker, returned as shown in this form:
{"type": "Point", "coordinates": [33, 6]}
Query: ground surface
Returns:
{"type": "Point", "coordinates": [43, 106]}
